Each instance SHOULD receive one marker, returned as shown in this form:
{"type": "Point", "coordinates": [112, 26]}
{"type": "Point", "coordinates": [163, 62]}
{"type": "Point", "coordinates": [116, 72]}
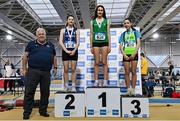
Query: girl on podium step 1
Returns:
{"type": "Point", "coordinates": [100, 39]}
{"type": "Point", "coordinates": [129, 46]}
{"type": "Point", "coordinates": [69, 41]}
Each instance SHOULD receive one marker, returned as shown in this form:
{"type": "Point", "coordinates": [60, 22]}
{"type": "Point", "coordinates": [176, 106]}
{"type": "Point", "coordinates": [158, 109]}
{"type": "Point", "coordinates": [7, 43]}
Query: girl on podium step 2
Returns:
{"type": "Point", "coordinates": [100, 39]}
{"type": "Point", "coordinates": [69, 41]}
{"type": "Point", "coordinates": [129, 46]}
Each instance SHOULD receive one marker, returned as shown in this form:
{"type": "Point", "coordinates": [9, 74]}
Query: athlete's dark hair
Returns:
{"type": "Point", "coordinates": [142, 54]}
{"type": "Point", "coordinates": [104, 12]}
{"type": "Point", "coordinates": [130, 20]}
{"type": "Point", "coordinates": [69, 16]}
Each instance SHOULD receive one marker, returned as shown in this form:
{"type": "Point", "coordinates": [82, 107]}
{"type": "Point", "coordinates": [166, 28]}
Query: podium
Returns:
{"type": "Point", "coordinates": [103, 102]}
{"type": "Point", "coordinates": [100, 102]}
{"type": "Point", "coordinates": [137, 107]}
{"type": "Point", "coordinates": [69, 104]}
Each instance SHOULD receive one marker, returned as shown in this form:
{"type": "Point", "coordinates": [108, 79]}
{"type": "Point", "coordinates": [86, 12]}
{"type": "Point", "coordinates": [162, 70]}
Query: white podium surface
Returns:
{"type": "Point", "coordinates": [103, 102]}
{"type": "Point", "coordinates": [69, 104]}
{"type": "Point", "coordinates": [135, 107]}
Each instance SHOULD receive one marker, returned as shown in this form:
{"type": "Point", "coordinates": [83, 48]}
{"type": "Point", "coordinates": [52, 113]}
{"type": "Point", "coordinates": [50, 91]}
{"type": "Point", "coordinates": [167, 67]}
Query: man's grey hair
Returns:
{"type": "Point", "coordinates": [40, 29]}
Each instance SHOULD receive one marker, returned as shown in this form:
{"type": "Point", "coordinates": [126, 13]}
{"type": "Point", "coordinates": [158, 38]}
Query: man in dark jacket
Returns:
{"type": "Point", "coordinates": [40, 56]}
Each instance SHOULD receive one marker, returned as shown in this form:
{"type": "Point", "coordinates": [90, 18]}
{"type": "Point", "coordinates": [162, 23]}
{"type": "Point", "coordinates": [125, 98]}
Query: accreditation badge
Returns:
{"type": "Point", "coordinates": [130, 43]}
{"type": "Point", "coordinates": [100, 36]}
{"type": "Point", "coordinates": [70, 44]}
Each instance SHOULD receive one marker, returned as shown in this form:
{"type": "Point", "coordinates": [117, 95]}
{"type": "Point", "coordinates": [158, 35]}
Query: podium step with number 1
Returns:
{"type": "Point", "coordinates": [103, 102]}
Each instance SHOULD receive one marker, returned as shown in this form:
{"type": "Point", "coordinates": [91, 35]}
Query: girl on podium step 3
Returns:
{"type": "Point", "coordinates": [129, 46]}
{"type": "Point", "coordinates": [100, 39]}
{"type": "Point", "coordinates": [69, 41]}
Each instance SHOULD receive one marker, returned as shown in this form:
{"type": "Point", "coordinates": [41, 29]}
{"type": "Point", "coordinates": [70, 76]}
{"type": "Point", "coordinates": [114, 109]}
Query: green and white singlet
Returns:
{"type": "Point", "coordinates": [100, 34]}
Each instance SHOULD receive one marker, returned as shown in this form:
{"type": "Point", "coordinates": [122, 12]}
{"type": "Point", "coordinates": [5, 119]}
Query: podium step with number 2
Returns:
{"type": "Point", "coordinates": [69, 104]}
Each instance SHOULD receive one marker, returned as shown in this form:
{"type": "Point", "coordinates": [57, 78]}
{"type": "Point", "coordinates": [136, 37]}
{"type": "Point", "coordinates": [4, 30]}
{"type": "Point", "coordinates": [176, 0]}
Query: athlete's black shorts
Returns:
{"type": "Point", "coordinates": [100, 44]}
{"type": "Point", "coordinates": [67, 57]}
{"type": "Point", "coordinates": [135, 58]}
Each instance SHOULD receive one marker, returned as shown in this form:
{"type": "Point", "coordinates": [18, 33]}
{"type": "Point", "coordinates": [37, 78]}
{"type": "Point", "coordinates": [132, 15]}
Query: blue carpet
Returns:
{"type": "Point", "coordinates": [164, 100]}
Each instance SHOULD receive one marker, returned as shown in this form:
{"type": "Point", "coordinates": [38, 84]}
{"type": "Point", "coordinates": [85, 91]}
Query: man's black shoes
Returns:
{"type": "Point", "coordinates": [26, 117]}
{"type": "Point", "coordinates": [44, 114]}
